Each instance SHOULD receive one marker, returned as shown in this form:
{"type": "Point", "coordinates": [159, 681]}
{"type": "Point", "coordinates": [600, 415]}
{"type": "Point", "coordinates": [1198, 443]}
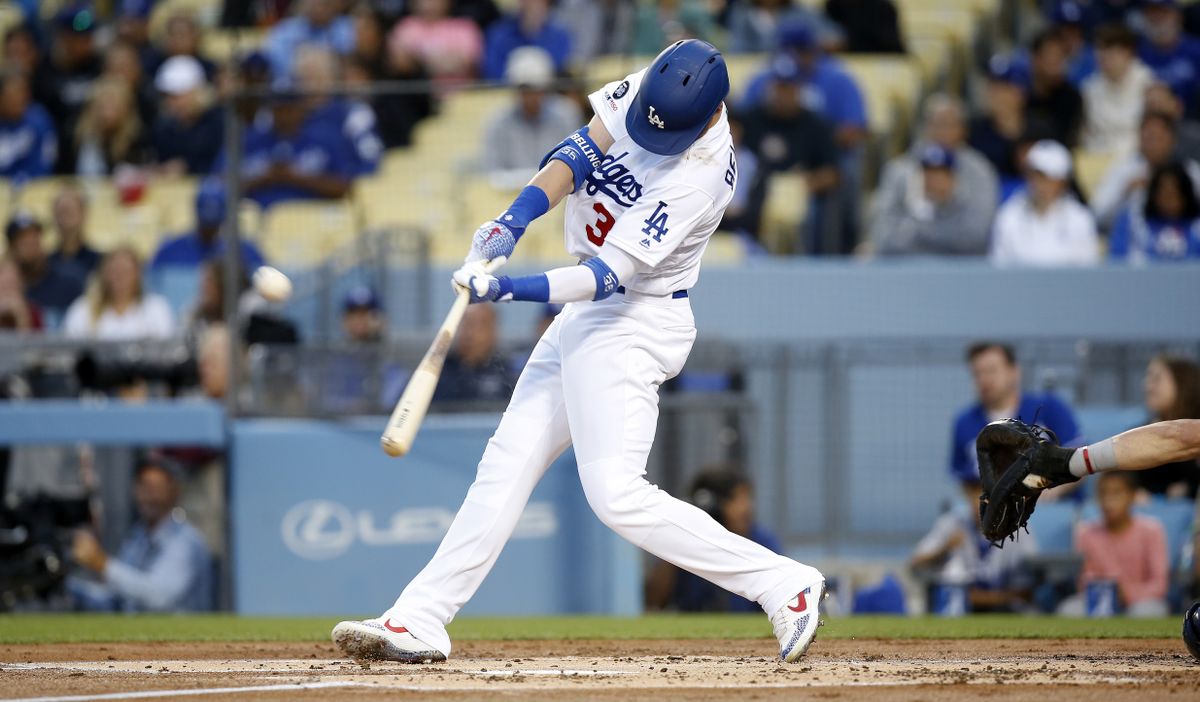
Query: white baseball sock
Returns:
{"type": "Point", "coordinates": [1095, 458]}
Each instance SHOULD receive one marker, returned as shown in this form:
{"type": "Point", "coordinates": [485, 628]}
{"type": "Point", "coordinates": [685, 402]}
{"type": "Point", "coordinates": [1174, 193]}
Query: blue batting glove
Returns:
{"type": "Point", "coordinates": [492, 239]}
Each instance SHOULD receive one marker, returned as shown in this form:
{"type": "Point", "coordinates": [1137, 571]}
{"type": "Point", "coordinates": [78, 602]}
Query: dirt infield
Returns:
{"type": "Point", "coordinates": [936, 671]}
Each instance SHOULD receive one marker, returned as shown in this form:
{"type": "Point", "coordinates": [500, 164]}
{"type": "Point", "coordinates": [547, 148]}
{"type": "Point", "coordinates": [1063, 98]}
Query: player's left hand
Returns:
{"type": "Point", "coordinates": [482, 286]}
{"type": "Point", "coordinates": [492, 240]}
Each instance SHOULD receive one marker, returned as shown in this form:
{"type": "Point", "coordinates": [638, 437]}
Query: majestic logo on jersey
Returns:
{"type": "Point", "coordinates": [614, 180]}
{"type": "Point", "coordinates": [655, 119]}
{"type": "Point", "coordinates": [621, 90]}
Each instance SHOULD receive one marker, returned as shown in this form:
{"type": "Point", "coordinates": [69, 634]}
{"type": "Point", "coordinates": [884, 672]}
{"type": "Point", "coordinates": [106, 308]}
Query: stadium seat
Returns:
{"type": "Point", "coordinates": [1090, 167]}
{"type": "Point", "coordinates": [1053, 525]}
{"type": "Point", "coordinates": [222, 45]}
{"type": "Point", "coordinates": [176, 199]}
{"type": "Point", "coordinates": [784, 211]}
{"type": "Point", "coordinates": [724, 249]}
{"type": "Point", "coordinates": [306, 233]}
{"type": "Point", "coordinates": [1096, 423]}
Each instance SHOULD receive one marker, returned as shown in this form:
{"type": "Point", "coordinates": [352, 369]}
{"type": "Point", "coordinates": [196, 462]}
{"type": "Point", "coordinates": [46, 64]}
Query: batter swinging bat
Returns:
{"type": "Point", "coordinates": [410, 409]}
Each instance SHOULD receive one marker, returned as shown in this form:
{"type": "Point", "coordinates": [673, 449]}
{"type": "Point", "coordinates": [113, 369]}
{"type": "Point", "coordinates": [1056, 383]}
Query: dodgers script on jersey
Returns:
{"type": "Point", "coordinates": [659, 209]}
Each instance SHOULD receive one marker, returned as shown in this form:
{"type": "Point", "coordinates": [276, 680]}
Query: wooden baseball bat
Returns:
{"type": "Point", "coordinates": [405, 422]}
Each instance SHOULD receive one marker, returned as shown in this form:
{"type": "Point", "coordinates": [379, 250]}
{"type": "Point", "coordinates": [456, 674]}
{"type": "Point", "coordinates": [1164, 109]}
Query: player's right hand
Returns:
{"type": "Point", "coordinates": [492, 239]}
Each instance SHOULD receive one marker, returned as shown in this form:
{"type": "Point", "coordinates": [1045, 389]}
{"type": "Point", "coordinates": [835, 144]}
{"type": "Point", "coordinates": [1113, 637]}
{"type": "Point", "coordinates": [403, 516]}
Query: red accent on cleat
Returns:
{"type": "Point", "coordinates": [387, 624]}
{"type": "Point", "coordinates": [801, 602]}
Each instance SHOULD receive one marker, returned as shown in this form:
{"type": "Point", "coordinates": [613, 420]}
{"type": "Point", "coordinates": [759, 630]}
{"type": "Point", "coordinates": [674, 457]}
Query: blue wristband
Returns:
{"type": "Point", "coordinates": [527, 288]}
{"type": "Point", "coordinates": [529, 205]}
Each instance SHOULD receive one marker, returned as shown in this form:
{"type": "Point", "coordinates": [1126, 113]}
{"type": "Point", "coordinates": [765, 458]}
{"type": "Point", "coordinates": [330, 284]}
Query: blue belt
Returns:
{"type": "Point", "coordinates": [677, 295]}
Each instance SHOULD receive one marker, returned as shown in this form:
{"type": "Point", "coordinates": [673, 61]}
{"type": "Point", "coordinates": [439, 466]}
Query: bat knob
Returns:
{"type": "Point", "coordinates": [392, 448]}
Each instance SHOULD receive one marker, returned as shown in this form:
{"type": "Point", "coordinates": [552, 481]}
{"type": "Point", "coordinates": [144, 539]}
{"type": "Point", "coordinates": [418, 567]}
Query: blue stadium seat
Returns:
{"type": "Point", "coordinates": [1053, 525]}
{"type": "Point", "coordinates": [1098, 423]}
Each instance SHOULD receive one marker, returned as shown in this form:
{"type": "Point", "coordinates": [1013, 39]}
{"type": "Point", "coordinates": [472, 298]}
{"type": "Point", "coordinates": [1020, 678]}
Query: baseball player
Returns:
{"type": "Point", "coordinates": [645, 183]}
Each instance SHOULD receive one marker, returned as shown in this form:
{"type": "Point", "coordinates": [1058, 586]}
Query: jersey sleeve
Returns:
{"type": "Point", "coordinates": [656, 225]}
{"type": "Point", "coordinates": [611, 102]}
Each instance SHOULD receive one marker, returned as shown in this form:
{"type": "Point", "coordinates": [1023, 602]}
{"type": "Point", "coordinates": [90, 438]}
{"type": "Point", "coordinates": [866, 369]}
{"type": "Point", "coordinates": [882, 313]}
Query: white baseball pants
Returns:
{"type": "Point", "coordinates": [592, 381]}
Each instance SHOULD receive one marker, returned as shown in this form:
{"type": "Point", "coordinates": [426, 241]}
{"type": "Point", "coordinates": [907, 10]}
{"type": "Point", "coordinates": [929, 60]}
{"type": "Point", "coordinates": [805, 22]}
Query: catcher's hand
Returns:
{"type": "Point", "coordinates": [1017, 462]}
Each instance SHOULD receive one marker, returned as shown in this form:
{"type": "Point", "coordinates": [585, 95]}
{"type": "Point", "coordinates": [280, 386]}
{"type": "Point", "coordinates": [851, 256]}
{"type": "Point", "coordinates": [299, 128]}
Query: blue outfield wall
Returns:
{"type": "Point", "coordinates": [324, 523]}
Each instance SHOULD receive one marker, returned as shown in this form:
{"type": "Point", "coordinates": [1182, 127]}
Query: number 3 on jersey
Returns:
{"type": "Point", "coordinates": [604, 225]}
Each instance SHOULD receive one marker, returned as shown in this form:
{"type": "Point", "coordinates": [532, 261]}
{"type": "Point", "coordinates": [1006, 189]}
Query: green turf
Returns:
{"type": "Point", "coordinates": [106, 628]}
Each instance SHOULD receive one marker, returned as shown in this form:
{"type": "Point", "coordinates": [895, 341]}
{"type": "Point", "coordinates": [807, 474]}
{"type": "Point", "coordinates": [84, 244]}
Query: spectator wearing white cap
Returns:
{"type": "Point", "coordinates": [1045, 225]}
{"type": "Point", "coordinates": [521, 133]}
{"type": "Point", "coordinates": [188, 132]}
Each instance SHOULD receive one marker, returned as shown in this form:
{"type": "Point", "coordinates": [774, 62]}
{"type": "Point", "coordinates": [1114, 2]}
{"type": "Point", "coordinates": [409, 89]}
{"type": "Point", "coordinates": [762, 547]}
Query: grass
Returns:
{"type": "Point", "coordinates": [73, 628]}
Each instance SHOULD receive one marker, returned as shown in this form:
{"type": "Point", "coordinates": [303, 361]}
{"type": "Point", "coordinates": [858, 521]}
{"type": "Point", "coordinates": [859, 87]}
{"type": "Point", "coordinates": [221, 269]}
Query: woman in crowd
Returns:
{"type": "Point", "coordinates": [449, 48]}
{"type": "Point", "coordinates": [1172, 391]}
{"type": "Point", "coordinates": [109, 132]}
{"type": "Point", "coordinates": [1163, 226]}
{"type": "Point", "coordinates": [1046, 225]}
{"type": "Point", "coordinates": [116, 307]}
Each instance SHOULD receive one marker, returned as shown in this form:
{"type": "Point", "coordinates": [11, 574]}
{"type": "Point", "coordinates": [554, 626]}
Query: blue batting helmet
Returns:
{"type": "Point", "coordinates": [680, 92]}
{"type": "Point", "coordinates": [1191, 629]}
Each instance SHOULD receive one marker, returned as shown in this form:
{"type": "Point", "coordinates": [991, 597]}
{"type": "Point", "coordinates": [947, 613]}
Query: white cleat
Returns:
{"type": "Point", "coordinates": [796, 622]}
{"type": "Point", "coordinates": [381, 640]}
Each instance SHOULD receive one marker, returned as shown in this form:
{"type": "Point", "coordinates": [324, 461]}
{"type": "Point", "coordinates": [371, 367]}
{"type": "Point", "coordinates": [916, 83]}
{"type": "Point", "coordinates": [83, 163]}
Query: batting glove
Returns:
{"type": "Point", "coordinates": [483, 286]}
{"type": "Point", "coordinates": [492, 240]}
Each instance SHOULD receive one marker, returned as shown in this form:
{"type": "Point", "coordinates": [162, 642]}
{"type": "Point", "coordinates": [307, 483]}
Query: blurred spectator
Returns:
{"type": "Point", "coordinates": [1101, 12]}
{"type": "Point", "coordinates": [829, 90]}
{"type": "Point", "coordinates": [163, 565]}
{"type": "Point", "coordinates": [659, 24]}
{"type": "Point", "coordinates": [1126, 179]}
{"type": "Point", "coordinates": [182, 37]}
{"type": "Point", "coordinates": [109, 133]}
{"type": "Point", "coordinates": [121, 62]}
{"type": "Point", "coordinates": [396, 114]}
{"type": "Point", "coordinates": [317, 70]}
{"type": "Point", "coordinates": [448, 48]}
{"type": "Point", "coordinates": [1159, 98]}
{"type": "Point", "coordinates": [1163, 226]}
{"type": "Point", "coordinates": [28, 141]}
{"type": "Point", "coordinates": [292, 157]}
{"type": "Point", "coordinates": [259, 13]}
{"type": "Point", "coordinates": [251, 73]}
{"type": "Point", "coordinates": [597, 27]}
{"type": "Point", "coordinates": [902, 185]}
{"type": "Point", "coordinates": [484, 13]}
{"type": "Point", "coordinates": [955, 555]}
{"type": "Point", "coordinates": [213, 361]}
{"type": "Point", "coordinates": [869, 26]}
{"type": "Point", "coordinates": [64, 84]}
{"type": "Point", "coordinates": [23, 53]}
{"type": "Point", "coordinates": [116, 306]}
{"type": "Point", "coordinates": [315, 22]}
{"type": "Point", "coordinates": [996, 131]}
{"type": "Point", "coordinates": [1173, 56]}
{"type": "Point", "coordinates": [1172, 391]}
{"type": "Point", "coordinates": [756, 26]}
{"type": "Point", "coordinates": [727, 495]}
{"type": "Point", "coordinates": [74, 257]}
{"type": "Point", "coordinates": [784, 135]}
{"type": "Point", "coordinates": [362, 322]}
{"type": "Point", "coordinates": [1124, 548]}
{"type": "Point", "coordinates": [738, 215]}
{"type": "Point", "coordinates": [1052, 100]}
{"type": "Point", "coordinates": [936, 218]}
{"type": "Point", "coordinates": [532, 25]}
{"type": "Point", "coordinates": [207, 242]}
{"type": "Point", "coordinates": [475, 370]}
{"type": "Point", "coordinates": [1068, 20]}
{"type": "Point", "coordinates": [17, 313]}
{"type": "Point", "coordinates": [209, 308]}
{"type": "Point", "coordinates": [190, 131]}
{"type": "Point", "coordinates": [1113, 96]}
{"type": "Point", "coordinates": [521, 133]}
{"type": "Point", "coordinates": [997, 379]}
{"type": "Point", "coordinates": [133, 30]}
{"type": "Point", "coordinates": [1045, 225]}
{"type": "Point", "coordinates": [45, 286]}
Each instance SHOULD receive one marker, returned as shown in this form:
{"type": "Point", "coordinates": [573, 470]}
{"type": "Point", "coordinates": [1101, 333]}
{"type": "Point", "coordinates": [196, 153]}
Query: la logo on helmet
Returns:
{"type": "Point", "coordinates": [655, 119]}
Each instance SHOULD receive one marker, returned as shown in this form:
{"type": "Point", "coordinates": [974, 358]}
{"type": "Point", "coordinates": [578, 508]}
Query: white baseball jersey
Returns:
{"type": "Point", "coordinates": [659, 209]}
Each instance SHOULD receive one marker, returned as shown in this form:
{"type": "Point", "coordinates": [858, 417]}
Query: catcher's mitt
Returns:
{"type": "Point", "coordinates": [1017, 462]}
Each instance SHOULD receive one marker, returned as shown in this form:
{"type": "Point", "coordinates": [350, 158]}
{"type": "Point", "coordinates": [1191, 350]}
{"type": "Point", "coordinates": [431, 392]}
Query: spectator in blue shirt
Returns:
{"type": "Point", "coordinates": [28, 141]}
{"type": "Point", "coordinates": [997, 380]}
{"type": "Point", "coordinates": [317, 74]}
{"type": "Point", "coordinates": [727, 495]}
{"type": "Point", "coordinates": [45, 285]}
{"type": "Point", "coordinates": [1069, 20]}
{"type": "Point", "coordinates": [530, 26]}
{"type": "Point", "coordinates": [290, 156]}
{"type": "Point", "coordinates": [317, 22]}
{"type": "Point", "coordinates": [189, 133]}
{"type": "Point", "coordinates": [1165, 226]}
{"type": "Point", "coordinates": [64, 82]}
{"type": "Point", "coordinates": [206, 242]}
{"type": "Point", "coordinates": [1173, 56]}
{"type": "Point", "coordinates": [164, 565]}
